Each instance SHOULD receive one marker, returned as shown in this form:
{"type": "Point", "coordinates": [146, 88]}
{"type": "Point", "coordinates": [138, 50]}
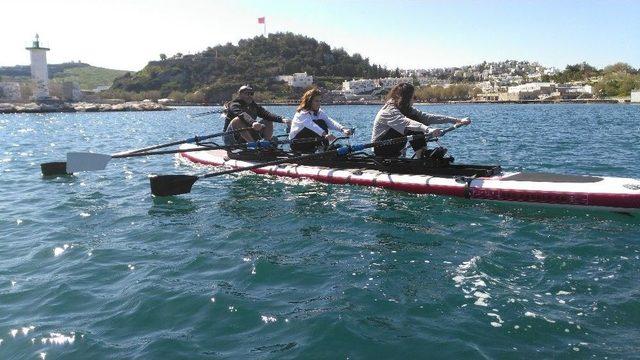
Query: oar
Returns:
{"type": "Point", "coordinates": [167, 185]}
{"type": "Point", "coordinates": [86, 161]}
{"type": "Point", "coordinates": [63, 168]}
{"type": "Point", "coordinates": [218, 111]}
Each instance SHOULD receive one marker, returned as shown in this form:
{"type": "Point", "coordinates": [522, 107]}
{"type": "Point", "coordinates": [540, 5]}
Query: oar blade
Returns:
{"type": "Point", "coordinates": [168, 185]}
{"type": "Point", "coordinates": [84, 161]}
{"type": "Point", "coordinates": [55, 168]}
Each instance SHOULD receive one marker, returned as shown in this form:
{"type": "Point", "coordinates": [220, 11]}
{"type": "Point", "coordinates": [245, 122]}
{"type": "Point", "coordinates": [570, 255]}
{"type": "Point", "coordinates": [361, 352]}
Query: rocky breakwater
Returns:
{"type": "Point", "coordinates": [7, 108]}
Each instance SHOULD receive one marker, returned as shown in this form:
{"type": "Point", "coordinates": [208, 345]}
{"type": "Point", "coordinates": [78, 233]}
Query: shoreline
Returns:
{"type": "Point", "coordinates": [20, 108]}
{"type": "Point", "coordinates": [63, 107]}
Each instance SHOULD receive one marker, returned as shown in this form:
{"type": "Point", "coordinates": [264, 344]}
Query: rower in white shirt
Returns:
{"type": "Point", "coordinates": [311, 122]}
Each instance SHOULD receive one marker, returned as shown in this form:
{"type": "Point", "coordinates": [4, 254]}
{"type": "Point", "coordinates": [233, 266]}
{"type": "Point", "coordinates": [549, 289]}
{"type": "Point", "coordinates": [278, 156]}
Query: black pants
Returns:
{"type": "Point", "coordinates": [395, 150]}
{"type": "Point", "coordinates": [309, 147]}
{"type": "Point", "coordinates": [235, 138]}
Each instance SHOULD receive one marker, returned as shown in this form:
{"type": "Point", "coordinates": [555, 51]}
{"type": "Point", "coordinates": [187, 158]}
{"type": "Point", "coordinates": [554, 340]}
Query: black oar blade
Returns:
{"type": "Point", "coordinates": [167, 185]}
{"type": "Point", "coordinates": [54, 168]}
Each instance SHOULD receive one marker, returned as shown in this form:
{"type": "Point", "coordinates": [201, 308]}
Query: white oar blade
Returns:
{"type": "Point", "coordinates": [84, 161]}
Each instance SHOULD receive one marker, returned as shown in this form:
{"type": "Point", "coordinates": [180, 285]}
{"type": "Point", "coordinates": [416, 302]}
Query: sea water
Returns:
{"type": "Point", "coordinates": [246, 266]}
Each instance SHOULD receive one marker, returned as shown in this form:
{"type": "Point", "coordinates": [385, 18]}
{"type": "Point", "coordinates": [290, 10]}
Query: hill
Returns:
{"type": "Point", "coordinates": [87, 76]}
{"type": "Point", "coordinates": [214, 74]}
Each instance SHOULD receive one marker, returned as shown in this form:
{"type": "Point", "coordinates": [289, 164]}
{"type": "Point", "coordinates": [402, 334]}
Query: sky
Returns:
{"type": "Point", "coordinates": [120, 34]}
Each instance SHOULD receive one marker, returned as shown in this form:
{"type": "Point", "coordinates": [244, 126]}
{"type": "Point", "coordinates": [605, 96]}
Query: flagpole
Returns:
{"type": "Point", "coordinates": [265, 27]}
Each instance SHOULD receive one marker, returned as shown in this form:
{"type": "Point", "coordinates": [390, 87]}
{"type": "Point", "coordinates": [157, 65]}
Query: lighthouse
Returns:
{"type": "Point", "coordinates": [39, 72]}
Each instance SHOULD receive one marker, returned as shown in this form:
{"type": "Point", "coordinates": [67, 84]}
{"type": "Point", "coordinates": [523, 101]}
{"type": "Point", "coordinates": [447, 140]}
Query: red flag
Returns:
{"type": "Point", "coordinates": [261, 20]}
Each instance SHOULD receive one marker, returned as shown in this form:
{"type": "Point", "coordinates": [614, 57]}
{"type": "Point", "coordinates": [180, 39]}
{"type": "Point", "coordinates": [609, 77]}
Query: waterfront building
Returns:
{"type": "Point", "coordinates": [489, 96]}
{"type": "Point", "coordinates": [506, 96]}
{"type": "Point", "coordinates": [575, 91]}
{"type": "Point", "coordinates": [39, 72]}
{"type": "Point", "coordinates": [635, 96]}
{"type": "Point", "coordinates": [531, 91]}
{"type": "Point", "coordinates": [297, 80]}
{"type": "Point", "coordinates": [359, 86]}
{"type": "Point", "coordinates": [10, 91]}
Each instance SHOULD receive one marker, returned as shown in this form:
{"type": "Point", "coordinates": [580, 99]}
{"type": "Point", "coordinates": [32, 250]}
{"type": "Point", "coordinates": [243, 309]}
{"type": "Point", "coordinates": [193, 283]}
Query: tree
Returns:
{"type": "Point", "coordinates": [163, 57]}
{"type": "Point", "coordinates": [577, 72]}
{"type": "Point", "coordinates": [620, 68]}
{"type": "Point", "coordinates": [617, 84]}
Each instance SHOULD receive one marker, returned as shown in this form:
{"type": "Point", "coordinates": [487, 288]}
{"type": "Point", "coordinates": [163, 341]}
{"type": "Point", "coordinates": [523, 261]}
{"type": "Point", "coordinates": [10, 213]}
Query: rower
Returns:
{"type": "Point", "coordinates": [399, 118]}
{"type": "Point", "coordinates": [311, 122]}
{"type": "Point", "coordinates": [242, 112]}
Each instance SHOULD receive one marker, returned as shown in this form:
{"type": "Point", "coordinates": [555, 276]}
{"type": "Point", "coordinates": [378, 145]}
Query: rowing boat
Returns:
{"type": "Point", "coordinates": [464, 181]}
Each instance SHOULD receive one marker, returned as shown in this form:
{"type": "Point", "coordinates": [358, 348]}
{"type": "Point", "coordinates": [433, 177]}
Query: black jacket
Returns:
{"type": "Point", "coordinates": [236, 107]}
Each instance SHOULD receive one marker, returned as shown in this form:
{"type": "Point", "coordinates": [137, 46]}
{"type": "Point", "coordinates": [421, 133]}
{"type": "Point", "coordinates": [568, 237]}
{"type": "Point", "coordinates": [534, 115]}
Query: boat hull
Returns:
{"type": "Point", "coordinates": [604, 193]}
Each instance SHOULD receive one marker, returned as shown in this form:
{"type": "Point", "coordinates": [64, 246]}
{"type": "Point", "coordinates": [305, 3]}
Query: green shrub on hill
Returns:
{"type": "Point", "coordinates": [618, 80]}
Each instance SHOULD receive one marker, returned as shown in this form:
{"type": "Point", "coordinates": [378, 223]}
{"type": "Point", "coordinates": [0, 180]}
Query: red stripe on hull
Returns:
{"type": "Point", "coordinates": [626, 201]}
{"type": "Point", "coordinates": [631, 201]}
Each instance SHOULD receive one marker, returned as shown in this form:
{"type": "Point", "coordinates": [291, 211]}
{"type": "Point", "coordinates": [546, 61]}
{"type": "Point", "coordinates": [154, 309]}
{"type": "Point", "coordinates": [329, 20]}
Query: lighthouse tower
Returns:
{"type": "Point", "coordinates": [39, 72]}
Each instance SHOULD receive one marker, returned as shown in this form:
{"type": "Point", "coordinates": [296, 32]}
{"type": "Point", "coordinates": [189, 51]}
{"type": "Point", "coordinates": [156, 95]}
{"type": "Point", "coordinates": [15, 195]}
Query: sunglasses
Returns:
{"type": "Point", "coordinates": [250, 93]}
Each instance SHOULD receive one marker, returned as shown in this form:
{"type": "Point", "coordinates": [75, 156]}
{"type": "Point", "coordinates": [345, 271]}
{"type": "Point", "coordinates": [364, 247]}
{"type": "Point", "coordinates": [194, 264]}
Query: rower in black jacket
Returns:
{"type": "Point", "coordinates": [242, 112]}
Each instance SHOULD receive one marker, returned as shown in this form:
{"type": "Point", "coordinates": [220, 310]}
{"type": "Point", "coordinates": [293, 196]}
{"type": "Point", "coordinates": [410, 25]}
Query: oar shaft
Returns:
{"type": "Point", "coordinates": [179, 142]}
{"type": "Point", "coordinates": [207, 113]}
{"type": "Point", "coordinates": [261, 144]}
{"type": "Point", "coordinates": [165, 152]}
{"type": "Point", "coordinates": [265, 164]}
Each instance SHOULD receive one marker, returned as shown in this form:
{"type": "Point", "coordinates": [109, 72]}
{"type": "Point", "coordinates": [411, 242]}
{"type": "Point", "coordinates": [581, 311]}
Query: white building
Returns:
{"type": "Point", "coordinates": [551, 71]}
{"type": "Point", "coordinates": [388, 83]}
{"type": "Point", "coordinates": [531, 91]}
{"type": "Point", "coordinates": [39, 72]}
{"type": "Point", "coordinates": [574, 91]}
{"type": "Point", "coordinates": [297, 80]}
{"type": "Point", "coordinates": [360, 86]}
{"type": "Point", "coordinates": [101, 88]}
{"type": "Point", "coordinates": [10, 91]}
{"type": "Point", "coordinates": [635, 96]}
{"type": "Point", "coordinates": [486, 87]}
{"type": "Point", "coordinates": [531, 87]}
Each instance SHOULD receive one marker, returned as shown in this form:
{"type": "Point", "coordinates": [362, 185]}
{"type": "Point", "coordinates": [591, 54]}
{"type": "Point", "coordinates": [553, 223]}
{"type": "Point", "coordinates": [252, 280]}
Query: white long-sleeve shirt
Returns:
{"type": "Point", "coordinates": [390, 117]}
{"type": "Point", "coordinates": [304, 119]}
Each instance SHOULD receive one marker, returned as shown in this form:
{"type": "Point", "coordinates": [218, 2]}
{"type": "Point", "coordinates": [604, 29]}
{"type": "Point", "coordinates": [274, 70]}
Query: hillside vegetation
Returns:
{"type": "Point", "coordinates": [615, 80]}
{"type": "Point", "coordinates": [90, 77]}
{"type": "Point", "coordinates": [214, 74]}
{"type": "Point", "coordinates": [87, 76]}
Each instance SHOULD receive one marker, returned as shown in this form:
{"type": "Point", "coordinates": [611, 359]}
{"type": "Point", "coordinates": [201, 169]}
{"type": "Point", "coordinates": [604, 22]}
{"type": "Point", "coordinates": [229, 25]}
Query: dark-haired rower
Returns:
{"type": "Point", "coordinates": [399, 118]}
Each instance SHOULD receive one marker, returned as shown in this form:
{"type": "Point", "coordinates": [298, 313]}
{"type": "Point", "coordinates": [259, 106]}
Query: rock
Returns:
{"type": "Point", "coordinates": [81, 107]}
{"type": "Point", "coordinates": [7, 108]}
